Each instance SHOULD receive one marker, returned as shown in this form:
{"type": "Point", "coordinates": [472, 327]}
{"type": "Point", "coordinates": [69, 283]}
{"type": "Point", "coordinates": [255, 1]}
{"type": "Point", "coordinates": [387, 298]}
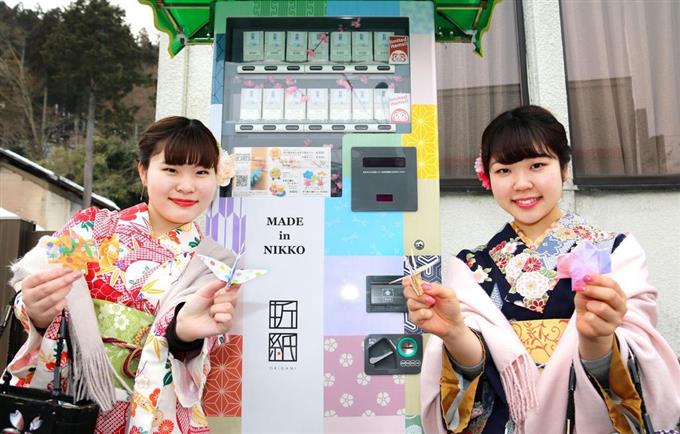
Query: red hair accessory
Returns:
{"type": "Point", "coordinates": [481, 174]}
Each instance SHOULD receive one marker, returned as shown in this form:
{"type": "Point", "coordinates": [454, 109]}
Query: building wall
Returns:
{"type": "Point", "coordinates": [46, 208]}
{"type": "Point", "coordinates": [184, 89]}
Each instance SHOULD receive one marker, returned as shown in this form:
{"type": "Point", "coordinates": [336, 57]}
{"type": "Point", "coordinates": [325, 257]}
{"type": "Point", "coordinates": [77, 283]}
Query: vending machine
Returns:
{"type": "Point", "coordinates": [329, 108]}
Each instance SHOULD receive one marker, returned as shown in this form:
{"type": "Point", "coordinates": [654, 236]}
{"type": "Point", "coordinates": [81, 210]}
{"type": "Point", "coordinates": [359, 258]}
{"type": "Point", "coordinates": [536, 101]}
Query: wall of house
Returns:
{"type": "Point", "coordinates": [46, 208]}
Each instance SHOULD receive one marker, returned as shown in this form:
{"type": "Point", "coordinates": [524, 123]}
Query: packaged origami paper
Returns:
{"type": "Point", "coordinates": [584, 260]}
{"type": "Point", "coordinates": [72, 252]}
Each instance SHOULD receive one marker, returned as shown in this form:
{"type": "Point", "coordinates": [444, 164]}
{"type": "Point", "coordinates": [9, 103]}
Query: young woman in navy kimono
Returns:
{"type": "Point", "coordinates": [515, 349]}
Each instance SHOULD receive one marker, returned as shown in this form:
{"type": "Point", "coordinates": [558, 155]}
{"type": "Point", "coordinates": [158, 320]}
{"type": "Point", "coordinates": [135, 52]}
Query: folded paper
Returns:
{"type": "Point", "coordinates": [224, 272]}
{"type": "Point", "coordinates": [71, 251]}
{"type": "Point", "coordinates": [584, 260]}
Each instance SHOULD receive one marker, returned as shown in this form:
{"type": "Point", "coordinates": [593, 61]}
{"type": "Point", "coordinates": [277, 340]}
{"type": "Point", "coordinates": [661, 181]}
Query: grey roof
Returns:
{"type": "Point", "coordinates": [65, 183]}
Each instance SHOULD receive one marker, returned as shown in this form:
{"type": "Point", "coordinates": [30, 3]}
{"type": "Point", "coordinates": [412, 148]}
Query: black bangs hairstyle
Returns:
{"type": "Point", "coordinates": [184, 141]}
{"type": "Point", "coordinates": [525, 132]}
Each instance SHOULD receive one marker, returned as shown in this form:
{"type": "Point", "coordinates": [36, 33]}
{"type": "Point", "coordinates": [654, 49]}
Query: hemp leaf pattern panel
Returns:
{"type": "Point", "coordinates": [348, 391]}
{"type": "Point", "coordinates": [223, 387]}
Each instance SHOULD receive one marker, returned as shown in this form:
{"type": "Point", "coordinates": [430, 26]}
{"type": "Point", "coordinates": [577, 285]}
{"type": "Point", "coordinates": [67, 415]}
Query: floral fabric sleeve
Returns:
{"type": "Point", "coordinates": [34, 362]}
{"type": "Point", "coordinates": [620, 396]}
{"type": "Point", "coordinates": [189, 375]}
{"type": "Point", "coordinates": [457, 396]}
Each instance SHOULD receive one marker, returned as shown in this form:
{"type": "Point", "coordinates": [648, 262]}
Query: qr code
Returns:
{"type": "Point", "coordinates": [241, 180]}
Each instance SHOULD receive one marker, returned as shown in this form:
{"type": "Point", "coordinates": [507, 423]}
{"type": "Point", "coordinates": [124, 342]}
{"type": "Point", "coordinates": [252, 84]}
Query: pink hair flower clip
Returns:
{"type": "Point", "coordinates": [225, 168]}
{"type": "Point", "coordinates": [481, 174]}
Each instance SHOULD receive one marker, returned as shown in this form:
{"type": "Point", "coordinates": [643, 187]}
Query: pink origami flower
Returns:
{"type": "Point", "coordinates": [582, 261]}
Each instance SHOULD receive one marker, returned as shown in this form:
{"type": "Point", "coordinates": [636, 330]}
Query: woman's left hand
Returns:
{"type": "Point", "coordinates": [600, 308]}
{"type": "Point", "coordinates": [208, 312]}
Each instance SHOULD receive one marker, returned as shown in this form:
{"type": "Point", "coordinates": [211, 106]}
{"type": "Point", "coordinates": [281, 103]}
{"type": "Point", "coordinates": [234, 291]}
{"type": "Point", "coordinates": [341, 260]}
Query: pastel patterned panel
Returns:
{"type": "Point", "coordinates": [231, 9]}
{"type": "Point", "coordinates": [423, 73]}
{"type": "Point", "coordinates": [225, 425]}
{"type": "Point", "coordinates": [345, 295]}
{"type": "Point", "coordinates": [421, 16]}
{"type": "Point", "coordinates": [348, 233]}
{"type": "Point", "coordinates": [433, 274]}
{"type": "Point", "coordinates": [414, 425]}
{"type": "Point", "coordinates": [424, 137]}
{"type": "Point", "coordinates": [215, 120]}
{"type": "Point", "coordinates": [412, 395]}
{"type": "Point", "coordinates": [218, 69]}
{"type": "Point", "coordinates": [423, 224]}
{"type": "Point", "coordinates": [348, 391]}
{"type": "Point", "coordinates": [363, 8]}
{"type": "Point", "coordinates": [364, 425]}
{"type": "Point", "coordinates": [222, 395]}
{"type": "Point", "coordinates": [225, 222]}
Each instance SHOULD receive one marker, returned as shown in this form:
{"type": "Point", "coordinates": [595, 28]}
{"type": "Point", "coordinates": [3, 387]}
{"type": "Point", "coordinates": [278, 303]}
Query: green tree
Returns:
{"type": "Point", "coordinates": [17, 82]}
{"type": "Point", "coordinates": [114, 163]}
{"type": "Point", "coordinates": [93, 51]}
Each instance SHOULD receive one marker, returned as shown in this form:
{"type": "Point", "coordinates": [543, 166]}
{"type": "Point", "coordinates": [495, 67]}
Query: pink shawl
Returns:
{"type": "Point", "coordinates": [538, 400]}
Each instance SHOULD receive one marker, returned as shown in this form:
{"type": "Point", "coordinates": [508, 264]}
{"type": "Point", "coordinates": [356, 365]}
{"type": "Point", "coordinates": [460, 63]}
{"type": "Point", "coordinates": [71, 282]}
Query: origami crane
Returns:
{"type": "Point", "coordinates": [583, 261]}
{"type": "Point", "coordinates": [231, 275]}
{"type": "Point", "coordinates": [414, 273]}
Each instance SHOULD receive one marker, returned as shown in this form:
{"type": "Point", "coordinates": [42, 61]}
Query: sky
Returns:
{"type": "Point", "coordinates": [137, 15]}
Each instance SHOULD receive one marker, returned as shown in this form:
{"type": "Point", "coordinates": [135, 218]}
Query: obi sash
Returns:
{"type": "Point", "coordinates": [124, 331]}
{"type": "Point", "coordinates": [540, 337]}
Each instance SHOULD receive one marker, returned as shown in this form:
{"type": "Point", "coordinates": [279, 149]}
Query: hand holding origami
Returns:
{"type": "Point", "coordinates": [584, 260]}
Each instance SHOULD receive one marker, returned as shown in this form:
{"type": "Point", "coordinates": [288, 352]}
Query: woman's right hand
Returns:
{"type": "Point", "coordinates": [437, 311]}
{"type": "Point", "coordinates": [44, 294]}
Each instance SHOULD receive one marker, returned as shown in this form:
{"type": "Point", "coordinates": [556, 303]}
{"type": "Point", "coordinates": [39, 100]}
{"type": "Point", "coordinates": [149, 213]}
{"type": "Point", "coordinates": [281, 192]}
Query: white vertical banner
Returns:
{"type": "Point", "coordinates": [283, 317]}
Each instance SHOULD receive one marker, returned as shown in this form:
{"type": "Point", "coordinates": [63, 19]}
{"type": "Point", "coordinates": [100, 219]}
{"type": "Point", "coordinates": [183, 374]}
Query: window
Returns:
{"type": "Point", "coordinates": [622, 62]}
{"type": "Point", "coordinates": [472, 90]}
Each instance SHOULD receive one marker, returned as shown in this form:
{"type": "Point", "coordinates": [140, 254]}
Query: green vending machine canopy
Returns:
{"type": "Point", "coordinates": [191, 21]}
